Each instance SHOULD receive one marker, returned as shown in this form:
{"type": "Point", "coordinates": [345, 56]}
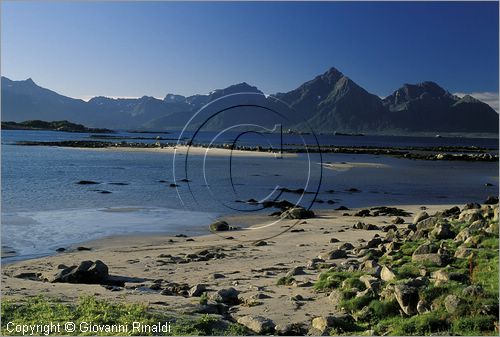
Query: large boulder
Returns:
{"type": "Point", "coordinates": [437, 259]}
{"type": "Point", "coordinates": [221, 226]}
{"type": "Point", "coordinates": [451, 303]}
{"type": "Point", "coordinates": [370, 282]}
{"type": "Point", "coordinates": [492, 200]}
{"type": "Point", "coordinates": [463, 235]}
{"type": "Point", "coordinates": [197, 290]}
{"type": "Point", "coordinates": [420, 216]}
{"type": "Point", "coordinates": [226, 296]}
{"type": "Point", "coordinates": [386, 274]}
{"type": "Point", "coordinates": [297, 213]}
{"type": "Point", "coordinates": [463, 252]}
{"type": "Point", "coordinates": [87, 272]}
{"type": "Point", "coordinates": [427, 223]}
{"type": "Point", "coordinates": [442, 232]}
{"type": "Point", "coordinates": [426, 248]}
{"type": "Point", "coordinates": [257, 324]}
{"type": "Point", "coordinates": [320, 325]}
{"type": "Point", "coordinates": [333, 254]}
{"type": "Point", "coordinates": [407, 298]}
{"type": "Point", "coordinates": [470, 215]}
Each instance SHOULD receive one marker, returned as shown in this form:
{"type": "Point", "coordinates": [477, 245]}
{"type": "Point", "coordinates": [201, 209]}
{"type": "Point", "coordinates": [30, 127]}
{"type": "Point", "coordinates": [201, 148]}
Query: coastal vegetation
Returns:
{"type": "Point", "coordinates": [52, 126]}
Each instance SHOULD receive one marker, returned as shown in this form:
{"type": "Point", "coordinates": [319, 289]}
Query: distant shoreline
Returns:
{"type": "Point", "coordinates": [449, 153]}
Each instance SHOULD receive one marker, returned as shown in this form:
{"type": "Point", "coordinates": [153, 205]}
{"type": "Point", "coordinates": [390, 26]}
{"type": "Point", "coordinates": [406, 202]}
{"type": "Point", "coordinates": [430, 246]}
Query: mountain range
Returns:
{"type": "Point", "coordinates": [329, 103]}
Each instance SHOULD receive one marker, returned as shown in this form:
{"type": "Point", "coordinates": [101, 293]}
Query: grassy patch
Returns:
{"type": "Point", "coordinates": [473, 325]}
{"type": "Point", "coordinates": [356, 303]}
{"type": "Point", "coordinates": [333, 279]}
{"type": "Point", "coordinates": [40, 310]}
{"type": "Point", "coordinates": [420, 325]}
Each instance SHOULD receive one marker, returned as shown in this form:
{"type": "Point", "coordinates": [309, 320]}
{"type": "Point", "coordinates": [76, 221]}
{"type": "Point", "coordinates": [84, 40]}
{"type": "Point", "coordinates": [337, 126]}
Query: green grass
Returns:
{"type": "Point", "coordinates": [419, 325]}
{"type": "Point", "coordinates": [40, 310]}
{"type": "Point", "coordinates": [473, 325]}
{"type": "Point", "coordinates": [333, 279]}
{"type": "Point", "coordinates": [356, 303]}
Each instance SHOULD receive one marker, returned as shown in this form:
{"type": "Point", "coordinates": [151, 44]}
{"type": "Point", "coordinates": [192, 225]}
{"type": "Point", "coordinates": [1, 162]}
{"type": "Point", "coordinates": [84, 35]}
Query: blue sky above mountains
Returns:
{"type": "Point", "coordinates": [130, 49]}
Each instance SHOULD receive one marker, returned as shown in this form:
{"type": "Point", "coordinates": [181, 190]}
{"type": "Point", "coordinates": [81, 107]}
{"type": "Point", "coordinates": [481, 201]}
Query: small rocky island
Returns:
{"type": "Point", "coordinates": [52, 126]}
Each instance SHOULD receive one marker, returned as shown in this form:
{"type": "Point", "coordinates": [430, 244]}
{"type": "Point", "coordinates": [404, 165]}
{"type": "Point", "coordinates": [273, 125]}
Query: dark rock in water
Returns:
{"type": "Point", "coordinates": [297, 213]}
{"type": "Point", "coordinates": [319, 201]}
{"type": "Point", "coordinates": [185, 180]}
{"type": "Point", "coordinates": [119, 184]}
{"type": "Point", "coordinates": [252, 201]}
{"type": "Point", "coordinates": [488, 184]}
{"type": "Point", "coordinates": [181, 236]}
{"type": "Point", "coordinates": [87, 182]}
{"type": "Point", "coordinates": [102, 191]}
{"type": "Point", "coordinates": [86, 272]}
{"type": "Point", "coordinates": [296, 191]}
{"type": "Point", "coordinates": [81, 248]}
{"type": "Point", "coordinates": [173, 185]}
{"type": "Point", "coordinates": [492, 200]}
{"type": "Point", "coordinates": [330, 202]}
{"type": "Point", "coordinates": [342, 208]}
{"type": "Point", "coordinates": [221, 226]}
{"type": "Point", "coordinates": [353, 190]}
{"type": "Point", "coordinates": [60, 250]}
{"type": "Point", "coordinates": [162, 181]}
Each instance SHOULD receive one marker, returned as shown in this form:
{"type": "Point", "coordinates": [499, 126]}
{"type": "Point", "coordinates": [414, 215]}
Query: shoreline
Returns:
{"type": "Point", "coordinates": [250, 262]}
{"type": "Point", "coordinates": [443, 153]}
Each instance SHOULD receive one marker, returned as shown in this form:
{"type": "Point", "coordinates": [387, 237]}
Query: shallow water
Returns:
{"type": "Point", "coordinates": [43, 207]}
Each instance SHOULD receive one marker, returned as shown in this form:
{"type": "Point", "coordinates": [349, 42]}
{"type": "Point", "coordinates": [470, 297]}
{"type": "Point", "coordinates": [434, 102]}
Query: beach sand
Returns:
{"type": "Point", "coordinates": [195, 150]}
{"type": "Point", "coordinates": [249, 268]}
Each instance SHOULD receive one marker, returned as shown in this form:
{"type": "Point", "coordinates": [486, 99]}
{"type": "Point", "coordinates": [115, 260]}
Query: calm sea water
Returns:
{"type": "Point", "coordinates": [44, 208]}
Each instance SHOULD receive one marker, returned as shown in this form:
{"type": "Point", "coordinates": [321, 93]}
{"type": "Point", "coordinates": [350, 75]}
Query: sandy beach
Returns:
{"type": "Point", "coordinates": [253, 269]}
{"type": "Point", "coordinates": [194, 150]}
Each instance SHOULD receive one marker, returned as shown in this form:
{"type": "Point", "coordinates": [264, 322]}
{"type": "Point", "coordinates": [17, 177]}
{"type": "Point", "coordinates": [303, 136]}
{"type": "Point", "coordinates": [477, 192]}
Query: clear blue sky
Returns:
{"type": "Point", "coordinates": [134, 49]}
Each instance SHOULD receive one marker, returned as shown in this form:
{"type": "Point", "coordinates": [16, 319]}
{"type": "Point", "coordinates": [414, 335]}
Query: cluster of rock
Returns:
{"type": "Point", "coordinates": [202, 255]}
{"type": "Point", "coordinates": [373, 259]}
